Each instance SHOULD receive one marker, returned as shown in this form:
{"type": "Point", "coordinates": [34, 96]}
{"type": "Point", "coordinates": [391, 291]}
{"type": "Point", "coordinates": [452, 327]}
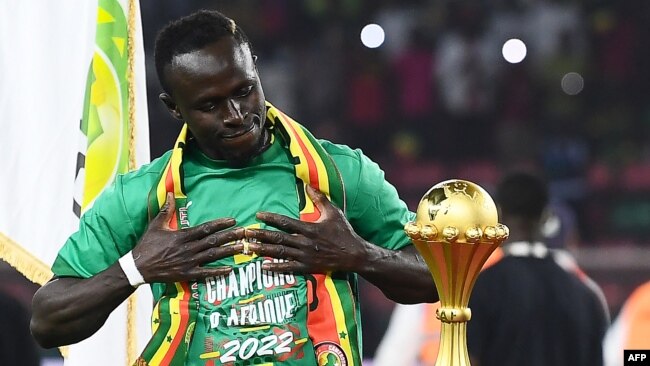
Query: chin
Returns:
{"type": "Point", "coordinates": [239, 153]}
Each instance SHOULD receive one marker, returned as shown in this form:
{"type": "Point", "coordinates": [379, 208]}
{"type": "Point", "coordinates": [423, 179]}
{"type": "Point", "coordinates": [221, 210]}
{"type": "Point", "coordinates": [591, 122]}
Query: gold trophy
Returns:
{"type": "Point", "coordinates": [455, 230]}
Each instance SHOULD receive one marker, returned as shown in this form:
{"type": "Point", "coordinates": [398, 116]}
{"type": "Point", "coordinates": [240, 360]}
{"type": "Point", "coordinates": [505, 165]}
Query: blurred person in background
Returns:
{"type": "Point", "coordinates": [531, 305]}
{"type": "Point", "coordinates": [631, 328]}
{"type": "Point", "coordinates": [248, 259]}
{"type": "Point", "coordinates": [17, 347]}
{"type": "Point", "coordinates": [545, 313]}
{"type": "Point", "coordinates": [465, 69]}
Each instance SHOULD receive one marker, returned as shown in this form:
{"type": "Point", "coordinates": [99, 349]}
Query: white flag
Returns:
{"type": "Point", "coordinates": [51, 52]}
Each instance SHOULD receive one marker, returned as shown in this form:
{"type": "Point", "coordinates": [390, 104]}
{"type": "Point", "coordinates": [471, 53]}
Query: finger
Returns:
{"type": "Point", "coordinates": [219, 239]}
{"type": "Point", "coordinates": [284, 223]}
{"type": "Point", "coordinates": [319, 198]}
{"type": "Point", "coordinates": [202, 273]}
{"type": "Point", "coordinates": [275, 237]}
{"type": "Point", "coordinates": [216, 253]}
{"type": "Point", "coordinates": [166, 213]}
{"type": "Point", "coordinates": [275, 251]}
{"type": "Point", "coordinates": [207, 228]}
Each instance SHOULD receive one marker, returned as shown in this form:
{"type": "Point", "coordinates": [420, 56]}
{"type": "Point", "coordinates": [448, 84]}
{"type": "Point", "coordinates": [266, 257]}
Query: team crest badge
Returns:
{"type": "Point", "coordinates": [330, 354]}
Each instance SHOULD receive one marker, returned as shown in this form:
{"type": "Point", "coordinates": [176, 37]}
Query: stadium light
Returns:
{"type": "Point", "coordinates": [372, 35]}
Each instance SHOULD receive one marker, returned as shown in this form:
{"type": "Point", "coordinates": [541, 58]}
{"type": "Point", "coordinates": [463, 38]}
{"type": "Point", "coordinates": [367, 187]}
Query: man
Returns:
{"type": "Point", "coordinates": [534, 306]}
{"type": "Point", "coordinates": [16, 344]}
{"type": "Point", "coordinates": [530, 305]}
{"type": "Point", "coordinates": [200, 226]}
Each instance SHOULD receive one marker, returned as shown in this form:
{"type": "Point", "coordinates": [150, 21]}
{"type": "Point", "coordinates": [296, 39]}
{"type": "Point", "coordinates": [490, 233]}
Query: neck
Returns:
{"type": "Point", "coordinates": [522, 230]}
{"type": "Point", "coordinates": [265, 143]}
{"type": "Point", "coordinates": [241, 161]}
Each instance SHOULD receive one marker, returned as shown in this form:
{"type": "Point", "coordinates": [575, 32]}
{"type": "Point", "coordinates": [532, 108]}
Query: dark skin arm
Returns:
{"type": "Point", "coordinates": [330, 244]}
{"type": "Point", "coordinates": [68, 310]}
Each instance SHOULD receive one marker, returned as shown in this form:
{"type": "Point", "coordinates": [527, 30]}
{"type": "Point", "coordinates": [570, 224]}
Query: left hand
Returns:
{"type": "Point", "coordinates": [329, 244]}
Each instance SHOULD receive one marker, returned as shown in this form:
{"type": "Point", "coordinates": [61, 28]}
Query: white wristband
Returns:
{"type": "Point", "coordinates": [130, 270]}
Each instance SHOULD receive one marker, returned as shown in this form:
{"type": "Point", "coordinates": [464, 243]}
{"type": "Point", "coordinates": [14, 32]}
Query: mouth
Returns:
{"type": "Point", "coordinates": [238, 133]}
{"type": "Point", "coordinates": [254, 121]}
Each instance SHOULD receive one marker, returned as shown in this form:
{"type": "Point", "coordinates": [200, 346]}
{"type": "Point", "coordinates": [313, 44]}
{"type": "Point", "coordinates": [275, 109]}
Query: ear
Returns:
{"type": "Point", "coordinates": [172, 108]}
{"type": "Point", "coordinates": [255, 65]}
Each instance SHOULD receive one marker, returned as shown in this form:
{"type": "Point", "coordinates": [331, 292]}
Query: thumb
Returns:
{"type": "Point", "coordinates": [166, 212]}
{"type": "Point", "coordinates": [319, 198]}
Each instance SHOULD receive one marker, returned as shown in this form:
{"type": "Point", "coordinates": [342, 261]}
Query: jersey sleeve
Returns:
{"type": "Point", "coordinates": [105, 234]}
{"type": "Point", "coordinates": [374, 208]}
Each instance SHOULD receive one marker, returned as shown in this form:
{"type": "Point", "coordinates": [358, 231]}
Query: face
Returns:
{"type": "Point", "coordinates": [216, 90]}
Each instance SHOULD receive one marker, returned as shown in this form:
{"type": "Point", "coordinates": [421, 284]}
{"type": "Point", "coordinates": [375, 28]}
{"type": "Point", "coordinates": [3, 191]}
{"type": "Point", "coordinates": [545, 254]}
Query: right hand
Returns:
{"type": "Point", "coordinates": [165, 255]}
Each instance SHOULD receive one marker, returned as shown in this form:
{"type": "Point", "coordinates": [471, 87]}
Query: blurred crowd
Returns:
{"type": "Point", "coordinates": [437, 99]}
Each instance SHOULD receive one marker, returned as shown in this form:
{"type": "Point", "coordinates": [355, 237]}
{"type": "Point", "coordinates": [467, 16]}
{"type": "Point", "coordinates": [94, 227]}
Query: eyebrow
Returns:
{"type": "Point", "coordinates": [245, 83]}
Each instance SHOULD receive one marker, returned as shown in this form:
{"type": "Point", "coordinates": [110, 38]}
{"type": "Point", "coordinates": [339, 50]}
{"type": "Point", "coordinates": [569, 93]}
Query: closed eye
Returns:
{"type": "Point", "coordinates": [244, 92]}
{"type": "Point", "coordinates": [207, 107]}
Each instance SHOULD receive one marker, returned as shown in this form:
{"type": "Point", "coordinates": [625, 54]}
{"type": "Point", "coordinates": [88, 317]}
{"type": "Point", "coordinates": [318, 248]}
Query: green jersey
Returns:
{"type": "Point", "coordinates": [251, 316]}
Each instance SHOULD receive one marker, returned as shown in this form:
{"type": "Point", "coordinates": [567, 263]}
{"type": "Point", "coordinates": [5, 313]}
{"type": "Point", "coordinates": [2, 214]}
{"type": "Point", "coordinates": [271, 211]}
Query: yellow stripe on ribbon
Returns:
{"type": "Point", "coordinates": [161, 190]}
{"type": "Point", "coordinates": [339, 317]}
{"type": "Point", "coordinates": [302, 168]}
{"type": "Point", "coordinates": [173, 165]}
{"type": "Point", "coordinates": [323, 179]}
{"type": "Point", "coordinates": [174, 311]}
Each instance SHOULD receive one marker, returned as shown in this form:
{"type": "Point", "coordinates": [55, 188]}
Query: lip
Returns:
{"type": "Point", "coordinates": [238, 133]}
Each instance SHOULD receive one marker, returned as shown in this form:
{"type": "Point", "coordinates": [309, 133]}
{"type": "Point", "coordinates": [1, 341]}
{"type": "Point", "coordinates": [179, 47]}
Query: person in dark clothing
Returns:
{"type": "Point", "coordinates": [530, 308]}
{"type": "Point", "coordinates": [17, 347]}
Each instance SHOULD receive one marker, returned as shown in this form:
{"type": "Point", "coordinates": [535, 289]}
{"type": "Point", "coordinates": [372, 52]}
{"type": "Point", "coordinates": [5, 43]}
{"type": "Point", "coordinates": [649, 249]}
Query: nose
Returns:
{"type": "Point", "coordinates": [233, 116]}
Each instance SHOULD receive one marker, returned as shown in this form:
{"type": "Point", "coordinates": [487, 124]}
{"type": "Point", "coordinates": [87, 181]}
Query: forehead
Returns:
{"type": "Point", "coordinates": [223, 59]}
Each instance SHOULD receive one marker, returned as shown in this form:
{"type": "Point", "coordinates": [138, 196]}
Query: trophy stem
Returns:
{"type": "Point", "coordinates": [453, 345]}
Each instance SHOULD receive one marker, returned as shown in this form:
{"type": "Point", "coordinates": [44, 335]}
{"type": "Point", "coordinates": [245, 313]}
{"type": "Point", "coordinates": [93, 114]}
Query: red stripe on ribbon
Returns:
{"type": "Point", "coordinates": [321, 323]}
{"type": "Point", "coordinates": [182, 327]}
{"type": "Point", "coordinates": [313, 171]}
{"type": "Point", "coordinates": [169, 187]}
